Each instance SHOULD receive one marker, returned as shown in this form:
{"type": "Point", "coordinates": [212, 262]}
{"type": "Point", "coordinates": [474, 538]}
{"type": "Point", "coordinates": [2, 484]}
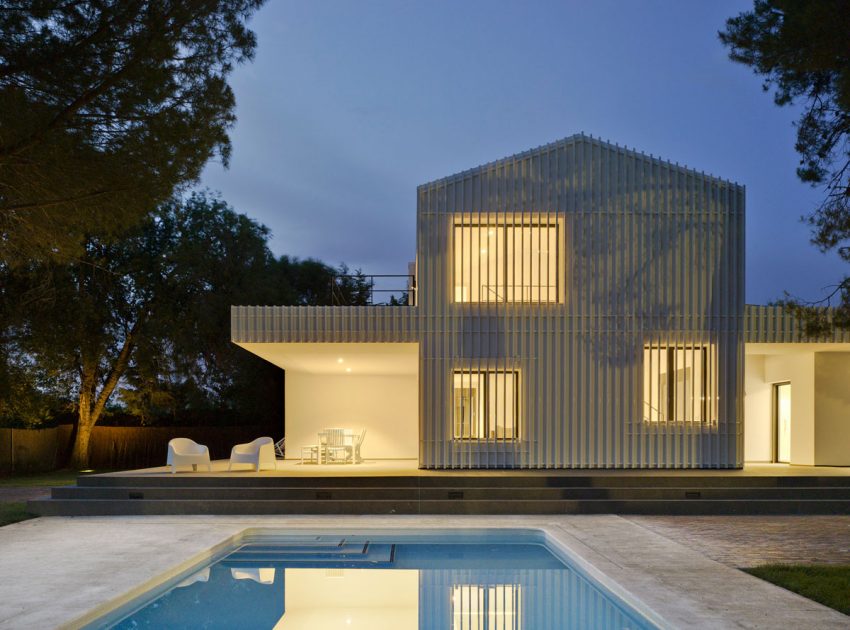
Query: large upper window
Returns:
{"type": "Point", "coordinates": [679, 383]}
{"type": "Point", "coordinates": [485, 405]}
{"type": "Point", "coordinates": [486, 607]}
{"type": "Point", "coordinates": [507, 262]}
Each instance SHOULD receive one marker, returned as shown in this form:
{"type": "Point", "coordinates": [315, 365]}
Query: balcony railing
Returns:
{"type": "Point", "coordinates": [373, 290]}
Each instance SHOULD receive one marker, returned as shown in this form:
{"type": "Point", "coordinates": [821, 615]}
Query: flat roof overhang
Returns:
{"type": "Point", "coordinates": [324, 324]}
{"type": "Point", "coordinates": [797, 347]}
{"type": "Point", "coordinates": [360, 358]}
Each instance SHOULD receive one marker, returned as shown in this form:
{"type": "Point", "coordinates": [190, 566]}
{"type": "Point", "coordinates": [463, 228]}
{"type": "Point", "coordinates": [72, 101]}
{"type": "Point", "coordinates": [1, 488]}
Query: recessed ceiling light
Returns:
{"type": "Point", "coordinates": [347, 369]}
{"type": "Point", "coordinates": [339, 360]}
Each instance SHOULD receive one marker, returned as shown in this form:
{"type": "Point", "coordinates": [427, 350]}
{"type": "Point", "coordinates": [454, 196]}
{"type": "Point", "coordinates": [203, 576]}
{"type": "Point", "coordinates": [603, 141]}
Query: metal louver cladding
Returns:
{"type": "Point", "coordinates": [771, 324]}
{"type": "Point", "coordinates": [648, 256]}
{"type": "Point", "coordinates": [563, 294]}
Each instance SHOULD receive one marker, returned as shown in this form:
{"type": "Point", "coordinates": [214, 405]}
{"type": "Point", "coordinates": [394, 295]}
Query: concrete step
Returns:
{"type": "Point", "coordinates": [459, 492]}
{"type": "Point", "coordinates": [450, 493]}
{"type": "Point", "coordinates": [477, 479]}
{"type": "Point", "coordinates": [372, 555]}
{"type": "Point", "coordinates": [95, 507]}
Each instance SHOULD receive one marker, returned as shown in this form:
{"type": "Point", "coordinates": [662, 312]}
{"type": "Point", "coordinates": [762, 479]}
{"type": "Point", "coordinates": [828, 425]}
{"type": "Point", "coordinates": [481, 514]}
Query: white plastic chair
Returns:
{"type": "Point", "coordinates": [261, 575]}
{"type": "Point", "coordinates": [258, 453]}
{"type": "Point", "coordinates": [201, 576]}
{"type": "Point", "coordinates": [184, 452]}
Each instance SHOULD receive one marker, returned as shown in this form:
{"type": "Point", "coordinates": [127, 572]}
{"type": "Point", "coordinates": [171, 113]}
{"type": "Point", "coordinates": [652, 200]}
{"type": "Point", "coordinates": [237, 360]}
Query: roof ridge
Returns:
{"type": "Point", "coordinates": [576, 137]}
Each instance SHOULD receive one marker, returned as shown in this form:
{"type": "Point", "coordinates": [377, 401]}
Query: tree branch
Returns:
{"type": "Point", "coordinates": [117, 371]}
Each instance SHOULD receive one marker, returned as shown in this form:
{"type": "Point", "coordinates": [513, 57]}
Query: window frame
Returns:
{"type": "Point", "coordinates": [560, 252]}
{"type": "Point", "coordinates": [483, 610]}
{"type": "Point", "coordinates": [670, 406]}
{"type": "Point", "coordinates": [486, 423]}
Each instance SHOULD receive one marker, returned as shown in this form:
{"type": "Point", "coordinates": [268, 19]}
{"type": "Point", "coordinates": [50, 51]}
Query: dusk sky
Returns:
{"type": "Point", "coordinates": [349, 105]}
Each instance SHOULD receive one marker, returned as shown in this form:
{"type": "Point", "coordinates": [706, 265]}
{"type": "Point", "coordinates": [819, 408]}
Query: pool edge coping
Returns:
{"type": "Point", "coordinates": [544, 534]}
{"type": "Point", "coordinates": [182, 570]}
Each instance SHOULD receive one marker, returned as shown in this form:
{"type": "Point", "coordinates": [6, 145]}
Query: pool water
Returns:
{"type": "Point", "coordinates": [507, 581]}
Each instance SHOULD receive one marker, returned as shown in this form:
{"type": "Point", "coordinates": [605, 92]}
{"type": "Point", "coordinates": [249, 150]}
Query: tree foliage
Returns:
{"type": "Point", "coordinates": [801, 48]}
{"type": "Point", "coordinates": [143, 323]}
{"type": "Point", "coordinates": [106, 108]}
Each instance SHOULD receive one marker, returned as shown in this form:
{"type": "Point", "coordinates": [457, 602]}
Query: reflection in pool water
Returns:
{"type": "Point", "coordinates": [346, 583]}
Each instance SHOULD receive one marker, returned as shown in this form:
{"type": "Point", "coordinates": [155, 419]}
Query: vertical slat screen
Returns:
{"type": "Point", "coordinates": [650, 255]}
{"type": "Point", "coordinates": [515, 599]}
{"type": "Point", "coordinates": [771, 324]}
{"type": "Point", "coordinates": [650, 260]}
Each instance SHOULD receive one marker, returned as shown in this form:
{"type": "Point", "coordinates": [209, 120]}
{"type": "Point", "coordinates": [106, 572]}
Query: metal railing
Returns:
{"type": "Point", "coordinates": [373, 290]}
{"type": "Point", "coordinates": [521, 293]}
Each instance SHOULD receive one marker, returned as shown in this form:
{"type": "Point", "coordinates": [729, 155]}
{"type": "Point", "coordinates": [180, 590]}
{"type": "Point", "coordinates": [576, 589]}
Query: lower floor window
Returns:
{"type": "Point", "coordinates": [486, 607]}
{"type": "Point", "coordinates": [485, 405]}
{"type": "Point", "coordinates": [679, 383]}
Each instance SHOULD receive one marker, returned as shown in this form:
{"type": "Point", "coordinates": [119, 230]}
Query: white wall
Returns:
{"type": "Point", "coordinates": [386, 406]}
{"type": "Point", "coordinates": [799, 370]}
{"type": "Point", "coordinates": [355, 599]}
{"type": "Point", "coordinates": [832, 408]}
{"type": "Point", "coordinates": [758, 416]}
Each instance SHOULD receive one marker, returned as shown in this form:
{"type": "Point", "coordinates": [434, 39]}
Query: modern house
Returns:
{"type": "Point", "coordinates": [577, 305]}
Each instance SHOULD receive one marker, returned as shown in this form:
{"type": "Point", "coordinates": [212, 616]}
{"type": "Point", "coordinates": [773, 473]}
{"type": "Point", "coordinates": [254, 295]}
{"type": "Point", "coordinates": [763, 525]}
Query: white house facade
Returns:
{"type": "Point", "coordinates": [580, 305]}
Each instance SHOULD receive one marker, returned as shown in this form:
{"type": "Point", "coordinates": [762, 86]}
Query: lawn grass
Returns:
{"type": "Point", "coordinates": [13, 512]}
{"type": "Point", "coordinates": [826, 584]}
{"type": "Point", "coordinates": [48, 479]}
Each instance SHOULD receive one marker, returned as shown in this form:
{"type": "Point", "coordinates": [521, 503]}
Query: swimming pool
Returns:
{"type": "Point", "coordinates": [426, 580]}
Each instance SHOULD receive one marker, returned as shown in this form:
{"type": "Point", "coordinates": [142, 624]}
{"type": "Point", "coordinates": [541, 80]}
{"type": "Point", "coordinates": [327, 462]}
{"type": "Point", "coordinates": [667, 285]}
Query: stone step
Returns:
{"type": "Point", "coordinates": [369, 554]}
{"type": "Point", "coordinates": [489, 479]}
{"type": "Point", "coordinates": [96, 507]}
{"type": "Point", "coordinates": [451, 493]}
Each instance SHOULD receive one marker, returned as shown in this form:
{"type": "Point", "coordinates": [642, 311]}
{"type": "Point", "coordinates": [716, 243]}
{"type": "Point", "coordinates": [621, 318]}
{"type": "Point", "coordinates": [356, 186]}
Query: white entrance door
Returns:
{"type": "Point", "coordinates": [783, 422]}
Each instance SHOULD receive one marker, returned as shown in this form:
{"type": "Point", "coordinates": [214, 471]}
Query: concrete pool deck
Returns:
{"type": "Point", "coordinates": [56, 570]}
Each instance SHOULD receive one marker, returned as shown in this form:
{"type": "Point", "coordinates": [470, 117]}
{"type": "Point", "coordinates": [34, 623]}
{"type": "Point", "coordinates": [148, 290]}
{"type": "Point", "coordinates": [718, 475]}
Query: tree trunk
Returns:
{"type": "Point", "coordinates": [80, 455]}
{"type": "Point", "coordinates": [92, 403]}
{"type": "Point", "coordinates": [85, 422]}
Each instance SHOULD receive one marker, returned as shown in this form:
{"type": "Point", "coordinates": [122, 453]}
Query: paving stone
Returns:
{"type": "Point", "coordinates": [748, 541]}
{"type": "Point", "coordinates": [64, 567]}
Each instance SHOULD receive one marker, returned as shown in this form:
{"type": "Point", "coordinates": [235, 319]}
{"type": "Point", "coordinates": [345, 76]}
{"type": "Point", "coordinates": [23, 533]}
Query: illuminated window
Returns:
{"type": "Point", "coordinates": [506, 262]}
{"type": "Point", "coordinates": [679, 384]}
{"type": "Point", "coordinates": [485, 405]}
{"type": "Point", "coordinates": [486, 607]}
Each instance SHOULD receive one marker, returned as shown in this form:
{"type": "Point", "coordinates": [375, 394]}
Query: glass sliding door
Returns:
{"type": "Point", "coordinates": [532, 263]}
{"type": "Point", "coordinates": [679, 384]}
{"type": "Point", "coordinates": [486, 607]}
{"type": "Point", "coordinates": [479, 265]}
{"type": "Point", "coordinates": [485, 405]}
{"type": "Point", "coordinates": [505, 262]}
{"type": "Point", "coordinates": [468, 405]}
{"type": "Point", "coordinates": [782, 412]}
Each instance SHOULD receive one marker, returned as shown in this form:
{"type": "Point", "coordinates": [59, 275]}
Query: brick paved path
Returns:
{"type": "Point", "coordinates": [747, 541]}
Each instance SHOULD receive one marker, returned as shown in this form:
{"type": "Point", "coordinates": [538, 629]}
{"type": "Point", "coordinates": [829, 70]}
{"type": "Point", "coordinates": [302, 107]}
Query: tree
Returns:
{"type": "Point", "coordinates": [802, 49]}
{"type": "Point", "coordinates": [106, 108]}
{"type": "Point", "coordinates": [142, 323]}
{"type": "Point", "coordinates": [197, 371]}
{"type": "Point", "coordinates": [124, 306]}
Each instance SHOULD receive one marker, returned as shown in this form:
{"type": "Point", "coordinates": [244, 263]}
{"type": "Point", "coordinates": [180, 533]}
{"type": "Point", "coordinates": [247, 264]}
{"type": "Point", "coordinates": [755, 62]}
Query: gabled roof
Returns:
{"type": "Point", "coordinates": [579, 138]}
